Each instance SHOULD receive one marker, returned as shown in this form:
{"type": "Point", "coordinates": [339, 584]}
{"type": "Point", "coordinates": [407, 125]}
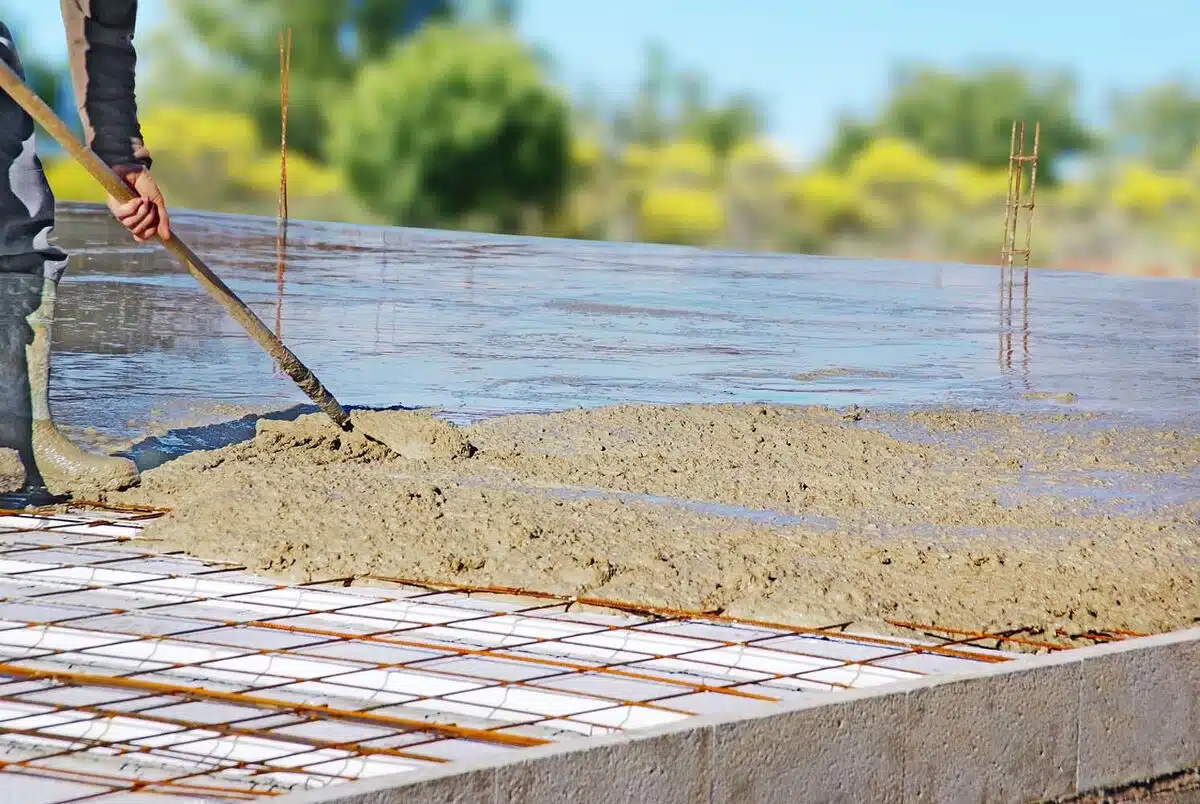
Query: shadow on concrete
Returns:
{"type": "Point", "coordinates": [152, 452]}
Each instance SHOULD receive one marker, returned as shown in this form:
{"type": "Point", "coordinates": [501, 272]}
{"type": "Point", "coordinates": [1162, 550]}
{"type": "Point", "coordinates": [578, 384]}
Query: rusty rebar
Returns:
{"type": "Point", "coordinates": [155, 698]}
{"type": "Point", "coordinates": [1037, 131]}
{"type": "Point", "coordinates": [130, 784]}
{"type": "Point", "coordinates": [1005, 257]}
{"type": "Point", "coordinates": [1003, 636]}
{"type": "Point", "coordinates": [281, 211]}
{"type": "Point", "coordinates": [674, 613]}
{"type": "Point", "coordinates": [262, 702]}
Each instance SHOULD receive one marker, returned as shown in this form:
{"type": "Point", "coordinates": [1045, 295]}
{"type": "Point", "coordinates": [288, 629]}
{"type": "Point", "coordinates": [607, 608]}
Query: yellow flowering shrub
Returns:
{"type": "Point", "coordinates": [586, 154]}
{"type": "Point", "coordinates": [681, 215]}
{"type": "Point", "coordinates": [900, 184]}
{"type": "Point", "coordinates": [826, 201]}
{"type": "Point", "coordinates": [893, 162]}
{"type": "Point", "coordinates": [979, 188]}
{"type": "Point", "coordinates": [213, 161]}
{"type": "Point", "coordinates": [1148, 194]}
{"type": "Point", "coordinates": [70, 182]}
{"type": "Point", "coordinates": [685, 162]}
{"type": "Point", "coordinates": [636, 160]}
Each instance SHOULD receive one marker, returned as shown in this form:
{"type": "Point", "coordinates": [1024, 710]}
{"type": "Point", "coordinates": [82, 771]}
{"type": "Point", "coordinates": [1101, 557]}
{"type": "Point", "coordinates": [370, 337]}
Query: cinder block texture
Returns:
{"type": "Point", "coordinates": [1008, 736]}
{"type": "Point", "coordinates": [1139, 713]}
{"type": "Point", "coordinates": [848, 751]}
{"type": "Point", "coordinates": [670, 768]}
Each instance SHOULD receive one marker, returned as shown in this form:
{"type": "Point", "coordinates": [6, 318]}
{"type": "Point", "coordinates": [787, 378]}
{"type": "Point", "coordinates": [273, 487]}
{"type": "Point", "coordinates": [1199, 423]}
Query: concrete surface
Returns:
{"type": "Point", "coordinates": [1043, 727]}
{"type": "Point", "coordinates": [479, 324]}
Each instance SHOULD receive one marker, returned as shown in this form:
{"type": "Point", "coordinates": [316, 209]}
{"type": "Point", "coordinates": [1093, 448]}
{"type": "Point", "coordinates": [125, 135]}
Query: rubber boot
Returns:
{"type": "Point", "coordinates": [64, 467]}
{"type": "Point", "coordinates": [20, 294]}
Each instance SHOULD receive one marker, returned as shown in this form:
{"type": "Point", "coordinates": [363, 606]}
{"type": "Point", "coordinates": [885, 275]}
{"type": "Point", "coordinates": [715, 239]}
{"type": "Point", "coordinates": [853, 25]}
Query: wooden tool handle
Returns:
{"type": "Point", "coordinates": [112, 183]}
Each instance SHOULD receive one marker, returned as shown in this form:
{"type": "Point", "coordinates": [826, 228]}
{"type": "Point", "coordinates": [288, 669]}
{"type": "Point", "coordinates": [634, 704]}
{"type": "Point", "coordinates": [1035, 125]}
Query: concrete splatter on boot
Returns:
{"type": "Point", "coordinates": [64, 467]}
{"type": "Point", "coordinates": [12, 471]}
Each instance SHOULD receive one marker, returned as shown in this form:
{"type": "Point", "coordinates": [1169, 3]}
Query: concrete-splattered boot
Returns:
{"type": "Point", "coordinates": [63, 466]}
{"type": "Point", "coordinates": [20, 294]}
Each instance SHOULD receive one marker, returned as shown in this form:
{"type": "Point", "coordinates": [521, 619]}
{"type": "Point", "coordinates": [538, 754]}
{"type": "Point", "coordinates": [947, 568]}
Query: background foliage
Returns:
{"type": "Point", "coordinates": [433, 113]}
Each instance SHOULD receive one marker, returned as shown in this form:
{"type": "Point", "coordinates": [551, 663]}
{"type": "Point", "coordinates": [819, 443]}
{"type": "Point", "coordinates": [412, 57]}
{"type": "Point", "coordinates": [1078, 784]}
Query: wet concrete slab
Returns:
{"type": "Point", "coordinates": [478, 325]}
{"type": "Point", "coordinates": [481, 324]}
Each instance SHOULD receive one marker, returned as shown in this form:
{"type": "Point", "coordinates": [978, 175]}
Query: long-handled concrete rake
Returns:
{"type": "Point", "coordinates": [288, 362]}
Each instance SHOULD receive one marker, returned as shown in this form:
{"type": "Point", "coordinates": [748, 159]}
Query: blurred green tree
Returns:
{"type": "Point", "coordinates": [1160, 124]}
{"type": "Point", "coordinates": [644, 120]}
{"type": "Point", "coordinates": [456, 126]}
{"type": "Point", "coordinates": [722, 126]}
{"type": "Point", "coordinates": [968, 117]}
{"type": "Point", "coordinates": [224, 54]}
{"type": "Point", "coordinates": [675, 104]}
{"type": "Point", "coordinates": [851, 137]}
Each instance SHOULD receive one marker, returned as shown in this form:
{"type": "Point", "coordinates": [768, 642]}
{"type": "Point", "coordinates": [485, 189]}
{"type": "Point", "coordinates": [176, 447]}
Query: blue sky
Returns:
{"type": "Point", "coordinates": [807, 59]}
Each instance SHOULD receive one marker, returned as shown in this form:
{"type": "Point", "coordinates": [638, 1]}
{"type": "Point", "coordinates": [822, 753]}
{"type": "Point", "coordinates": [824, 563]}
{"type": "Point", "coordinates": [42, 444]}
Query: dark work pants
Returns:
{"type": "Point", "coordinates": [26, 257]}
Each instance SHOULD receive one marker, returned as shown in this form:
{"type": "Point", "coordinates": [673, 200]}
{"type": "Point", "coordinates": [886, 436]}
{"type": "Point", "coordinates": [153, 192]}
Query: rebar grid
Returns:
{"type": "Point", "coordinates": [127, 672]}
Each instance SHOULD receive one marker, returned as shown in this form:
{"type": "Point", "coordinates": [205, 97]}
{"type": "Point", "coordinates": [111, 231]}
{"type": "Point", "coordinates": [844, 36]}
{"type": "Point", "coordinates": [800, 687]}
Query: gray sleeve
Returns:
{"type": "Point", "coordinates": [103, 61]}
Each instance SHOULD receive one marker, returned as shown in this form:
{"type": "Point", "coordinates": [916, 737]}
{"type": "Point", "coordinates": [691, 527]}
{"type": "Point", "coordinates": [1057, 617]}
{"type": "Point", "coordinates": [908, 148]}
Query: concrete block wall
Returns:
{"type": "Point", "coordinates": [1039, 727]}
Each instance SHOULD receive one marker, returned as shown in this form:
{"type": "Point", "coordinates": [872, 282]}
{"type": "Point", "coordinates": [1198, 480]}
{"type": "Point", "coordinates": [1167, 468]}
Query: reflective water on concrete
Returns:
{"type": "Point", "coordinates": [478, 324]}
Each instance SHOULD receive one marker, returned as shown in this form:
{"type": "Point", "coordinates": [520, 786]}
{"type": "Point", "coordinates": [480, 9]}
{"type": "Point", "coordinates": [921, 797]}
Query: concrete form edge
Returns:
{"type": "Point", "coordinates": [1037, 727]}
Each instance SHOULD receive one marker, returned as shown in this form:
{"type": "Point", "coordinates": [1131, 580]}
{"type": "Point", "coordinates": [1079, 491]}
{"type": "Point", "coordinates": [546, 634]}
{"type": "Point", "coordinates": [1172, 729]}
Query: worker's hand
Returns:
{"type": "Point", "coordinates": [146, 215]}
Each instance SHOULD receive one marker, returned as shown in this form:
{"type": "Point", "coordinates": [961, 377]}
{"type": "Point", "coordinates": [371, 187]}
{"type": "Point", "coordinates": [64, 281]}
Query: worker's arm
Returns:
{"type": "Point", "coordinates": [103, 62]}
{"type": "Point", "coordinates": [100, 42]}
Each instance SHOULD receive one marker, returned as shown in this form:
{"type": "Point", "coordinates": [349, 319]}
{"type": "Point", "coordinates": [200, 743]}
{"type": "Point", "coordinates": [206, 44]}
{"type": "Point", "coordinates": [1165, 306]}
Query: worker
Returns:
{"type": "Point", "coordinates": [102, 59]}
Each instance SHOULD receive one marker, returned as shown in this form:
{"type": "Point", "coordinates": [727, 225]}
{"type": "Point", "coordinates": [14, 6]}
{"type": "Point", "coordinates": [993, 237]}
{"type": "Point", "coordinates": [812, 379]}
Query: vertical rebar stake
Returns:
{"type": "Point", "coordinates": [281, 211]}
{"type": "Point", "coordinates": [1009, 206]}
{"type": "Point", "coordinates": [1005, 247]}
{"type": "Point", "coordinates": [1013, 205]}
{"type": "Point", "coordinates": [1037, 132]}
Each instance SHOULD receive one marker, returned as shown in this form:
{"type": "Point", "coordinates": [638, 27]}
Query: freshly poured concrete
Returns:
{"type": "Point", "coordinates": [786, 514]}
{"type": "Point", "coordinates": [478, 324]}
{"type": "Point", "coordinates": [1066, 503]}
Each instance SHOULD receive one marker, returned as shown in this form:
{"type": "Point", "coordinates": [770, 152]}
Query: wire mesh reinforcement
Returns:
{"type": "Point", "coordinates": [128, 675]}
